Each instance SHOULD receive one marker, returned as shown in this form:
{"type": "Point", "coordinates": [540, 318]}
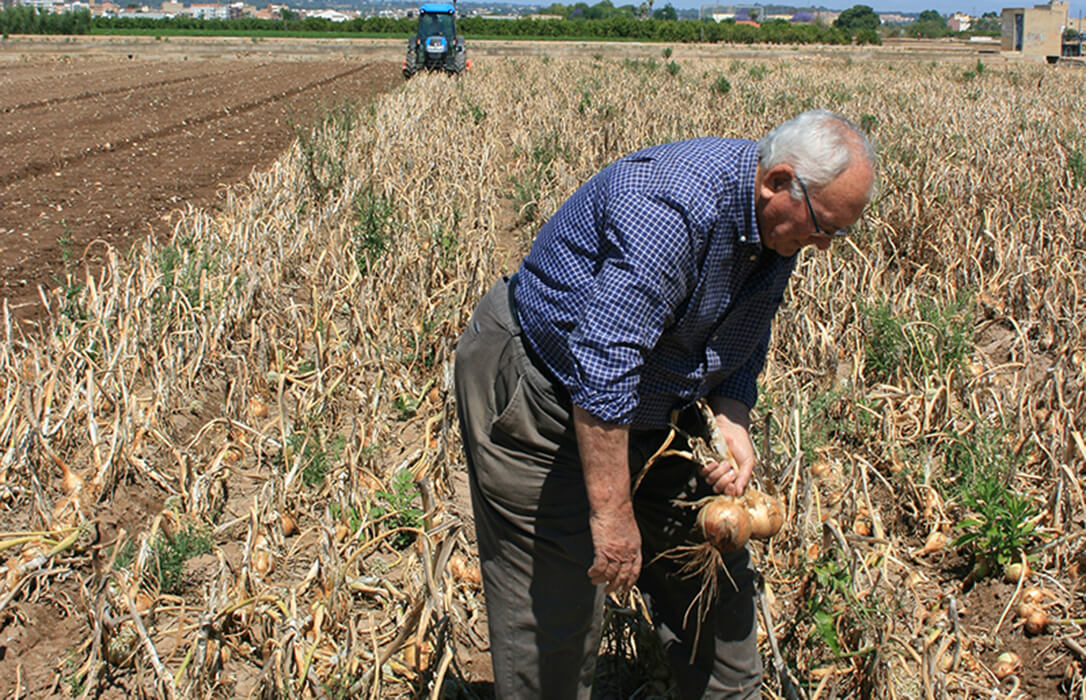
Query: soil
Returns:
{"type": "Point", "coordinates": [106, 139]}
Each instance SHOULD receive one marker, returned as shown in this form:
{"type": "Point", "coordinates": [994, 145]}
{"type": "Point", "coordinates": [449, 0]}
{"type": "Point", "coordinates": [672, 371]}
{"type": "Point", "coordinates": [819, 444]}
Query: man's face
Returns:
{"type": "Point", "coordinates": [785, 223]}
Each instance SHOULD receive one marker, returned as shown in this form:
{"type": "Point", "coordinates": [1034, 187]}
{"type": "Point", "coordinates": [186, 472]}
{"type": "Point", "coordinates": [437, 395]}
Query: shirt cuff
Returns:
{"type": "Point", "coordinates": [609, 407]}
{"type": "Point", "coordinates": [741, 386]}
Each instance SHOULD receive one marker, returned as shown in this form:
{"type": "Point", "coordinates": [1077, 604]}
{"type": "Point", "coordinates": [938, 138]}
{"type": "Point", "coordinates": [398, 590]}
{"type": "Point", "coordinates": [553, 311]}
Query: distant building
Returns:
{"type": "Point", "coordinates": [209, 11]}
{"type": "Point", "coordinates": [1035, 31]}
{"type": "Point", "coordinates": [959, 22]}
{"type": "Point", "coordinates": [330, 15]}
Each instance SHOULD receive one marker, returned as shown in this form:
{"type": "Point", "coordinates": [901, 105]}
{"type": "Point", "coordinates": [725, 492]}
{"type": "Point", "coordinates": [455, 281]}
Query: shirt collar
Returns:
{"type": "Point", "coordinates": [744, 218]}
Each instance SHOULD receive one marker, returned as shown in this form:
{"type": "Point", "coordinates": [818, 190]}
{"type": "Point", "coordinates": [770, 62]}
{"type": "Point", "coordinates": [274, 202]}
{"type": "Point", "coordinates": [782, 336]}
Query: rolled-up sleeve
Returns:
{"type": "Point", "coordinates": [644, 273]}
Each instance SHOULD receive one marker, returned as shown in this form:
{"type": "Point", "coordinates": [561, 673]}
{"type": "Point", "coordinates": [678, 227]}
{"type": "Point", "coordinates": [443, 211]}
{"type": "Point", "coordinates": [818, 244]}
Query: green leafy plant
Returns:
{"type": "Point", "coordinates": [722, 86]}
{"type": "Point", "coordinates": [837, 416]}
{"type": "Point", "coordinates": [349, 513]}
{"type": "Point", "coordinates": [171, 553]}
{"type": "Point", "coordinates": [1002, 528]}
{"type": "Point", "coordinates": [841, 620]}
{"type": "Point", "coordinates": [673, 68]}
{"type": "Point", "coordinates": [398, 504]}
{"type": "Point", "coordinates": [168, 555]}
{"type": "Point", "coordinates": [324, 148]}
{"type": "Point", "coordinates": [316, 459]}
{"type": "Point", "coordinates": [374, 226]}
{"type": "Point", "coordinates": [937, 339]}
{"type": "Point", "coordinates": [667, 53]}
{"type": "Point", "coordinates": [1076, 163]}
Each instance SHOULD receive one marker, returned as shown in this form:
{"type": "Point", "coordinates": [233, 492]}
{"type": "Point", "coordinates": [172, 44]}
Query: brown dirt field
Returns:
{"type": "Point", "coordinates": [107, 137]}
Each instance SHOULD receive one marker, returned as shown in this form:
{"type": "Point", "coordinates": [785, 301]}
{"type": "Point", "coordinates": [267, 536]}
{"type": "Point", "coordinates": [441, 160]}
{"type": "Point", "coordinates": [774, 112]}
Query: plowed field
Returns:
{"type": "Point", "coordinates": [101, 145]}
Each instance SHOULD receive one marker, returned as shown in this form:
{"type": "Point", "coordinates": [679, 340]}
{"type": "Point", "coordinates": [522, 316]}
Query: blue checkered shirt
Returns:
{"type": "Point", "coordinates": [650, 288]}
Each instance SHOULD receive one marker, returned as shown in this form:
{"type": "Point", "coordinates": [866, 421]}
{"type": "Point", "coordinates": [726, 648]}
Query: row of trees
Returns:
{"type": "Point", "coordinates": [614, 27]}
{"type": "Point", "coordinates": [28, 20]}
{"type": "Point", "coordinates": [858, 24]}
{"type": "Point", "coordinates": [929, 24]}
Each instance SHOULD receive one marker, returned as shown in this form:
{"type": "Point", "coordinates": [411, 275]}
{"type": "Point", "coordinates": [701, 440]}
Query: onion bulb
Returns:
{"type": "Point", "coordinates": [725, 524]}
{"type": "Point", "coordinates": [1024, 609]}
{"type": "Point", "coordinates": [765, 514]}
{"type": "Point", "coordinates": [1037, 622]}
{"type": "Point", "coordinates": [1007, 664]}
{"type": "Point", "coordinates": [1016, 571]}
{"type": "Point", "coordinates": [1033, 595]}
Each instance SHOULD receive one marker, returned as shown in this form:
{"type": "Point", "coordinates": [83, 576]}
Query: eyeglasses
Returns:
{"type": "Point", "coordinates": [839, 233]}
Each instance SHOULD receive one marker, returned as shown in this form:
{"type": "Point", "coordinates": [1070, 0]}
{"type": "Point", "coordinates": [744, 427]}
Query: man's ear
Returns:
{"type": "Point", "coordinates": [777, 179]}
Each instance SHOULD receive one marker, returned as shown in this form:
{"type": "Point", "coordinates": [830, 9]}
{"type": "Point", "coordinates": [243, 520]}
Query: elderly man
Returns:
{"type": "Point", "coordinates": [654, 285]}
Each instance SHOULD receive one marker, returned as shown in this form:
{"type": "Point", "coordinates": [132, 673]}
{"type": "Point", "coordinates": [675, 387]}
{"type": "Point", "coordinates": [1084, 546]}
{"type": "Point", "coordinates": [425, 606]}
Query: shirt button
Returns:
{"type": "Point", "coordinates": [753, 257]}
{"type": "Point", "coordinates": [742, 239]}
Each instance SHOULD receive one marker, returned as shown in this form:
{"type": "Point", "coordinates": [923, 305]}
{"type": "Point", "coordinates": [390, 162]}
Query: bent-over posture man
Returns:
{"type": "Point", "coordinates": [654, 285]}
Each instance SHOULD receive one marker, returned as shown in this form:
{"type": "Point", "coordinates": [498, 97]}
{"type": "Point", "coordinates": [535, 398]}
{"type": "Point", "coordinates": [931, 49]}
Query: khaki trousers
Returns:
{"type": "Point", "coordinates": [531, 520]}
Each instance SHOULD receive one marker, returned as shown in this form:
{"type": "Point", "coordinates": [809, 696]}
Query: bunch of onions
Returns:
{"type": "Point", "coordinates": [728, 523]}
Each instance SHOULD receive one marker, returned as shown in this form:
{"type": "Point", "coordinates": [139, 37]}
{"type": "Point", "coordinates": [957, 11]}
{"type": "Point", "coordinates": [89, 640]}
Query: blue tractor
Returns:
{"type": "Point", "coordinates": [436, 45]}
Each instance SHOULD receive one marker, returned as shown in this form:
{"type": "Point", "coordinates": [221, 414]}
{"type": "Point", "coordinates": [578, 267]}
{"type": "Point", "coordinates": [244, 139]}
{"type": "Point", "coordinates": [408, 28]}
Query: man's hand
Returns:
{"type": "Point", "coordinates": [616, 540]}
{"type": "Point", "coordinates": [617, 543]}
{"type": "Point", "coordinates": [733, 419]}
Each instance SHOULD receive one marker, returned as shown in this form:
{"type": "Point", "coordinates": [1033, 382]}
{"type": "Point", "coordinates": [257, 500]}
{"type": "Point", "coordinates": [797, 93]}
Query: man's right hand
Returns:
{"type": "Point", "coordinates": [616, 540]}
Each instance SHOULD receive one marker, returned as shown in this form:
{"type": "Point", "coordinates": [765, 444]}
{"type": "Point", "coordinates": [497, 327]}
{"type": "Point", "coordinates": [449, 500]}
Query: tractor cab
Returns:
{"type": "Point", "coordinates": [435, 45]}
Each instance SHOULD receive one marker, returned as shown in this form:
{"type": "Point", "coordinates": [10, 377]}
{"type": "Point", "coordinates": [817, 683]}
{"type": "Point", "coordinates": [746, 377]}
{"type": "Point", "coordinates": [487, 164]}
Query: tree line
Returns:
{"type": "Point", "coordinates": [857, 25]}
{"type": "Point", "coordinates": [24, 19]}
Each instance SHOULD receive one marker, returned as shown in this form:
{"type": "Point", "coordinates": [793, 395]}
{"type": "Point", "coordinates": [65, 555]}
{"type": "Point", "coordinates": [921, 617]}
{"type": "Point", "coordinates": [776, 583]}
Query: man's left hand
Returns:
{"type": "Point", "coordinates": [733, 419]}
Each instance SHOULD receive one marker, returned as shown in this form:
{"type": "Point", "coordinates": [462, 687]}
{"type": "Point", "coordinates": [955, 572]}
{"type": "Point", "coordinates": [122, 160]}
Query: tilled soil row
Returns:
{"type": "Point", "coordinates": [49, 142]}
{"type": "Point", "coordinates": [80, 87]}
{"type": "Point", "coordinates": [130, 172]}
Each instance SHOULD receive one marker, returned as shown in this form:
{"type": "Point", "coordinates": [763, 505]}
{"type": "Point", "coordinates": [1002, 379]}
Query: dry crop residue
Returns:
{"type": "Point", "coordinates": [107, 149]}
{"type": "Point", "coordinates": [276, 376]}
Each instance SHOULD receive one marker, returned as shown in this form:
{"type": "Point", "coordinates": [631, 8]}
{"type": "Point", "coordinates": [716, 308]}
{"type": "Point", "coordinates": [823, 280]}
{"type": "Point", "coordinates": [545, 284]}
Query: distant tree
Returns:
{"type": "Point", "coordinates": [287, 15]}
{"type": "Point", "coordinates": [929, 24]}
{"type": "Point", "coordinates": [1071, 34]}
{"type": "Point", "coordinates": [753, 14]}
{"type": "Point", "coordinates": [931, 16]}
{"type": "Point", "coordinates": [868, 36]}
{"type": "Point", "coordinates": [989, 23]}
{"type": "Point", "coordinates": [857, 17]}
{"type": "Point", "coordinates": [667, 12]}
{"type": "Point", "coordinates": [554, 9]}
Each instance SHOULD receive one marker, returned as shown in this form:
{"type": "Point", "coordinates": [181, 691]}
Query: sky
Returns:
{"type": "Point", "coordinates": [945, 7]}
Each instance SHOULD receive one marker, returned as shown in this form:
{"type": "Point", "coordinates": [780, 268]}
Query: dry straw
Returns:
{"type": "Point", "coordinates": [265, 379]}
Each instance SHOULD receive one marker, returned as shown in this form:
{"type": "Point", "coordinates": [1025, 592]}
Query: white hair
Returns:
{"type": "Point", "coordinates": [819, 145]}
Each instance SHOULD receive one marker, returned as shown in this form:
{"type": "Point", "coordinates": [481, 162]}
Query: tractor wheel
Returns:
{"type": "Point", "coordinates": [410, 65]}
{"type": "Point", "coordinates": [460, 62]}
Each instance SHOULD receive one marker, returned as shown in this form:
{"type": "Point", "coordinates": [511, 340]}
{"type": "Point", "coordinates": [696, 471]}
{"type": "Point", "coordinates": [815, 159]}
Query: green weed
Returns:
{"type": "Point", "coordinates": [840, 620]}
{"type": "Point", "coordinates": [722, 86]}
{"type": "Point", "coordinates": [398, 504]}
{"type": "Point", "coordinates": [673, 68]}
{"type": "Point", "coordinates": [168, 555]}
{"type": "Point", "coordinates": [350, 514]}
{"type": "Point", "coordinates": [317, 455]}
{"type": "Point", "coordinates": [374, 226]}
{"type": "Point", "coordinates": [937, 339]}
{"type": "Point", "coordinates": [638, 65]}
{"type": "Point", "coordinates": [171, 553]}
{"type": "Point", "coordinates": [757, 72]}
{"type": "Point", "coordinates": [324, 148]}
{"type": "Point", "coordinates": [1076, 165]}
{"type": "Point", "coordinates": [1001, 529]}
